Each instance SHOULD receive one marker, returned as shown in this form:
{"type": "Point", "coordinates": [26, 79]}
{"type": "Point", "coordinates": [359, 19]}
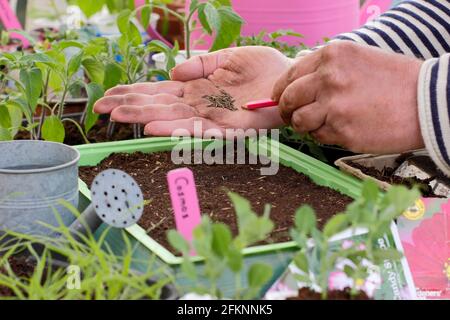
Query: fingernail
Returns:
{"type": "Point", "coordinates": [171, 73]}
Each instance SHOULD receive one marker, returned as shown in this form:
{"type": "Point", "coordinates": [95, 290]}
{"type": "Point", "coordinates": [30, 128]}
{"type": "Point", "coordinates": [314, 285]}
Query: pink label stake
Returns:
{"type": "Point", "coordinates": [10, 21]}
{"type": "Point", "coordinates": [183, 195]}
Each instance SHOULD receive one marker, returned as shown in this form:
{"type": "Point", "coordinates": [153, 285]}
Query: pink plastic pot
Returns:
{"type": "Point", "coordinates": [315, 19]}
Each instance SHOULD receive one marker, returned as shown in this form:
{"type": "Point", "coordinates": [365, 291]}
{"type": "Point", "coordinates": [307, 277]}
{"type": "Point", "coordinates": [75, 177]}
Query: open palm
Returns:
{"type": "Point", "coordinates": [247, 74]}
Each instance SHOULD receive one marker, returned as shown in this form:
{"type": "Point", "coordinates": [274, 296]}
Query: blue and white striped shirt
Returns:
{"type": "Point", "coordinates": [420, 28]}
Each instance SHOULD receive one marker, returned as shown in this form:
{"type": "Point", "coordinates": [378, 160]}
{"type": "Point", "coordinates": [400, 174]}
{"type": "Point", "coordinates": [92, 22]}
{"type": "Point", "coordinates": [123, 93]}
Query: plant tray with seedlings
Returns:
{"type": "Point", "coordinates": [409, 169]}
{"type": "Point", "coordinates": [148, 162]}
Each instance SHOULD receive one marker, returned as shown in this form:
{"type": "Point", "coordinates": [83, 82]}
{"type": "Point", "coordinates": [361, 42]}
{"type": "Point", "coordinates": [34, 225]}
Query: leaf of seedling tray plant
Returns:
{"type": "Point", "coordinates": [53, 129]}
{"type": "Point", "coordinates": [228, 27]}
{"type": "Point", "coordinates": [177, 241]}
{"type": "Point", "coordinates": [74, 64]}
{"type": "Point", "coordinates": [5, 134]}
{"type": "Point", "coordinates": [146, 13]}
{"type": "Point", "coordinates": [305, 219]}
{"type": "Point", "coordinates": [235, 259]}
{"type": "Point", "coordinates": [258, 275]}
{"type": "Point", "coordinates": [301, 262]}
{"type": "Point", "coordinates": [123, 20]}
{"type": "Point", "coordinates": [94, 70]}
{"type": "Point", "coordinates": [32, 86]}
{"type": "Point", "coordinates": [114, 75]}
{"type": "Point", "coordinates": [335, 225]}
{"type": "Point", "coordinates": [221, 239]}
{"type": "Point", "coordinates": [5, 119]}
{"type": "Point", "coordinates": [396, 201]}
{"type": "Point", "coordinates": [94, 92]}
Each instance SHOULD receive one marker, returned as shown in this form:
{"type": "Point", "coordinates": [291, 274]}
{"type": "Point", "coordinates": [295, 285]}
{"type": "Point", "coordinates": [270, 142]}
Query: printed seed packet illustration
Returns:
{"type": "Point", "coordinates": [390, 281]}
{"type": "Point", "coordinates": [425, 234]}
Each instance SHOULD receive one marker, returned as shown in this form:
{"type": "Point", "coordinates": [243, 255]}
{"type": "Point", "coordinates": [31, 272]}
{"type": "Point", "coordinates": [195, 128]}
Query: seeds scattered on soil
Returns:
{"type": "Point", "coordinates": [222, 100]}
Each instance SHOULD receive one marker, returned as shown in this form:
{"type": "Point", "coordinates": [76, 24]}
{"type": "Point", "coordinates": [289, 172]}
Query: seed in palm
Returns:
{"type": "Point", "coordinates": [222, 100]}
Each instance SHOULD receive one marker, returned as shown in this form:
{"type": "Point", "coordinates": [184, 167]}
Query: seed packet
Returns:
{"type": "Point", "coordinates": [390, 281]}
{"type": "Point", "coordinates": [425, 235]}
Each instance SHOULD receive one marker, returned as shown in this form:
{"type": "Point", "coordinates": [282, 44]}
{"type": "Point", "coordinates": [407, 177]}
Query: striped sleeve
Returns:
{"type": "Point", "coordinates": [419, 28]}
{"type": "Point", "coordinates": [434, 109]}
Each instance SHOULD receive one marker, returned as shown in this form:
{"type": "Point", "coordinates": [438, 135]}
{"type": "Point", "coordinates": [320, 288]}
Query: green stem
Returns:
{"type": "Point", "coordinates": [61, 104]}
{"type": "Point", "coordinates": [86, 140]}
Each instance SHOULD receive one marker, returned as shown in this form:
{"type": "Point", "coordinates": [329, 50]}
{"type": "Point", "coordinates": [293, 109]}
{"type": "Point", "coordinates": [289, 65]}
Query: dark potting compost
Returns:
{"type": "Point", "coordinates": [286, 191]}
{"type": "Point", "coordinates": [387, 174]}
{"type": "Point", "coordinates": [307, 294]}
{"type": "Point", "coordinates": [21, 267]}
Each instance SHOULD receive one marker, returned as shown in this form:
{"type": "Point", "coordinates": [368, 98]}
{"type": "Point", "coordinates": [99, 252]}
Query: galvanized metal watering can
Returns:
{"type": "Point", "coordinates": [34, 177]}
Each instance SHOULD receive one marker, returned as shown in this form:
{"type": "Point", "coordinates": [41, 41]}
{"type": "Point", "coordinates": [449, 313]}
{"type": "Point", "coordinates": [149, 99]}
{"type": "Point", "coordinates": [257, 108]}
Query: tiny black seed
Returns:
{"type": "Point", "coordinates": [103, 216]}
{"type": "Point", "coordinates": [115, 198]}
{"type": "Point", "coordinates": [105, 193]}
{"type": "Point", "coordinates": [120, 210]}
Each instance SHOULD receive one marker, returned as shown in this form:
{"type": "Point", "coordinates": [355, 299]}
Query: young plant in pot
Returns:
{"type": "Point", "coordinates": [46, 74]}
{"type": "Point", "coordinates": [317, 261]}
{"type": "Point", "coordinates": [221, 251]}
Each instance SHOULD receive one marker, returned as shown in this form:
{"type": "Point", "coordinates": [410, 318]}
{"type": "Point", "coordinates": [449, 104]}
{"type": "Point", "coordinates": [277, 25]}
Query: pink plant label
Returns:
{"type": "Point", "coordinates": [372, 9]}
{"type": "Point", "coordinates": [183, 195]}
{"type": "Point", "coordinates": [10, 21]}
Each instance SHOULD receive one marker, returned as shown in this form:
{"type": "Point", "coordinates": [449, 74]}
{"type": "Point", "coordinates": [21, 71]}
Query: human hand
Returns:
{"type": "Point", "coordinates": [355, 96]}
{"type": "Point", "coordinates": [246, 73]}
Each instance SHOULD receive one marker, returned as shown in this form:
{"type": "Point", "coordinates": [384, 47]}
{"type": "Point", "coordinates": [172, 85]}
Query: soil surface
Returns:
{"type": "Point", "coordinates": [285, 191]}
{"type": "Point", "coordinates": [307, 294]}
{"type": "Point", "coordinates": [97, 134]}
{"type": "Point", "coordinates": [21, 267]}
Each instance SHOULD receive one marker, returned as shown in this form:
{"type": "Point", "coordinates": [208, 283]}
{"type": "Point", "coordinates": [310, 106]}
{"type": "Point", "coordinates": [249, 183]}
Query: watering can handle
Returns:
{"type": "Point", "coordinates": [372, 9]}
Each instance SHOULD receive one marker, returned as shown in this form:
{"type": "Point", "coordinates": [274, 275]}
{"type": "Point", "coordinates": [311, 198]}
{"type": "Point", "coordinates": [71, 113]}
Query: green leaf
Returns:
{"type": "Point", "coordinates": [258, 275]}
{"type": "Point", "coordinates": [94, 70]}
{"type": "Point", "coordinates": [134, 35]}
{"type": "Point", "coordinates": [5, 134]}
{"type": "Point", "coordinates": [227, 29]}
{"type": "Point", "coordinates": [177, 241]}
{"type": "Point", "coordinates": [370, 191]}
{"type": "Point", "coordinates": [209, 17]}
{"type": "Point", "coordinates": [94, 92]}
{"type": "Point", "coordinates": [113, 76]}
{"type": "Point", "coordinates": [189, 269]}
{"type": "Point", "coordinates": [335, 225]}
{"type": "Point", "coordinates": [31, 80]}
{"type": "Point", "coordinates": [146, 13]}
{"type": "Point", "coordinates": [305, 219]}
{"type": "Point", "coordinates": [89, 8]}
{"type": "Point", "coordinates": [75, 64]}
{"type": "Point", "coordinates": [53, 129]}
{"type": "Point", "coordinates": [301, 261]}
{"type": "Point", "coordinates": [16, 116]}
{"type": "Point", "coordinates": [123, 20]}
{"type": "Point", "coordinates": [235, 259]}
{"type": "Point", "coordinates": [194, 4]}
{"type": "Point", "coordinates": [5, 119]}
{"type": "Point", "coordinates": [221, 239]}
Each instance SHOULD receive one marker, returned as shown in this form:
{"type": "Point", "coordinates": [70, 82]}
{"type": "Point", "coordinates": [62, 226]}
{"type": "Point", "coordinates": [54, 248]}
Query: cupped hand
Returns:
{"type": "Point", "coordinates": [356, 96]}
{"type": "Point", "coordinates": [246, 73]}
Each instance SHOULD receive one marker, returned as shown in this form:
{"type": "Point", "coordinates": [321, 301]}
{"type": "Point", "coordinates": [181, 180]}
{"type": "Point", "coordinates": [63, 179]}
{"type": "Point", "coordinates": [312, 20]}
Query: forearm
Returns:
{"type": "Point", "coordinates": [419, 28]}
{"type": "Point", "coordinates": [434, 109]}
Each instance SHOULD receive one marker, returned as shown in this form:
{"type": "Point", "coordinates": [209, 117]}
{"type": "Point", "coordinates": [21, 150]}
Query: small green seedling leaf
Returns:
{"type": "Point", "coordinates": [32, 84]}
{"type": "Point", "coordinates": [221, 240]}
{"type": "Point", "coordinates": [335, 225]}
{"type": "Point", "coordinates": [94, 92]}
{"type": "Point", "coordinates": [258, 275]}
{"type": "Point", "coordinates": [305, 219]}
{"type": "Point", "coordinates": [53, 129]}
{"type": "Point", "coordinates": [177, 241]}
{"type": "Point", "coordinates": [301, 262]}
{"type": "Point", "coordinates": [5, 134]}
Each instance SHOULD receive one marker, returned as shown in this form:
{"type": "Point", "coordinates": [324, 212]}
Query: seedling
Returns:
{"type": "Point", "coordinates": [318, 257]}
{"type": "Point", "coordinates": [221, 252]}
